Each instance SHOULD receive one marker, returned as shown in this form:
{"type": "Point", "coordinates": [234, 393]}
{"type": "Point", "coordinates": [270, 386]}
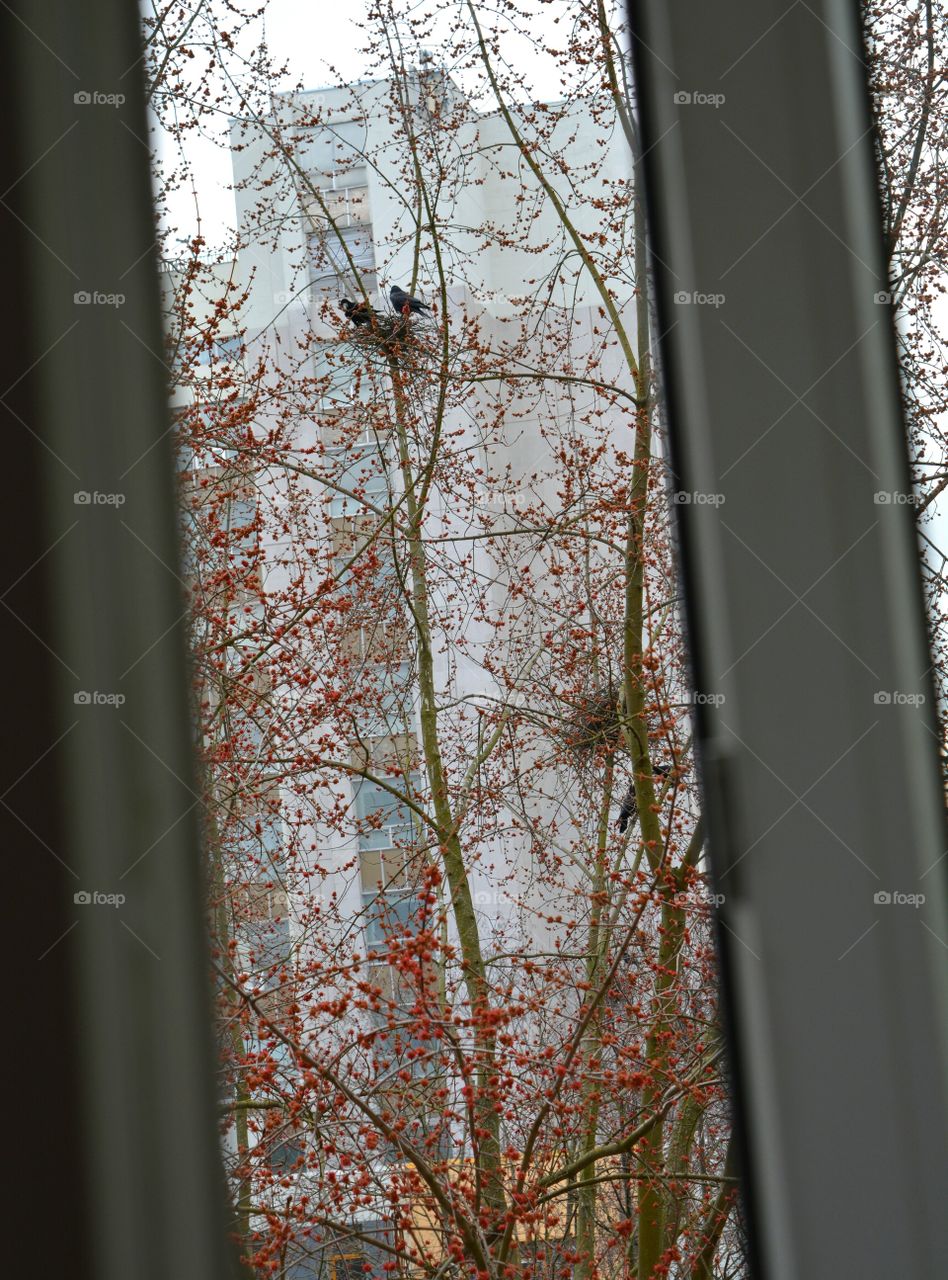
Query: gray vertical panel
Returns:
{"type": "Point", "coordinates": [805, 611]}
{"type": "Point", "coordinates": [43, 1126]}
{"type": "Point", "coordinates": [157, 1202]}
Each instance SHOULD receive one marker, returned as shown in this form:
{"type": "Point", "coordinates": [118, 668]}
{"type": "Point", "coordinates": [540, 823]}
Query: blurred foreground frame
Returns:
{"type": "Point", "coordinates": [815, 699]}
{"type": "Point", "coordinates": [112, 1079]}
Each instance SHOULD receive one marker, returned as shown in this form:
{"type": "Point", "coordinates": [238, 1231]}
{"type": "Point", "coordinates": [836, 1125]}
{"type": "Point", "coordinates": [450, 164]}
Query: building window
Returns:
{"type": "Point", "coordinates": [390, 903]}
{"type": "Point", "coordinates": [338, 236]}
{"type": "Point", "coordinates": [363, 474]}
{"type": "Point", "coordinates": [386, 823]}
{"type": "Point", "coordinates": [283, 1155]}
{"type": "Point", "coordinates": [346, 206]}
{"type": "Point", "coordinates": [330, 272]}
{"type": "Point", "coordinates": [347, 1266]}
{"type": "Point", "coordinates": [223, 350]}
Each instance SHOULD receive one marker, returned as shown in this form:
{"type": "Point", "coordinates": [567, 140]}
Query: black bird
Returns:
{"type": "Point", "coordinates": [402, 300]}
{"type": "Point", "coordinates": [358, 312]}
{"type": "Point", "coordinates": [629, 810]}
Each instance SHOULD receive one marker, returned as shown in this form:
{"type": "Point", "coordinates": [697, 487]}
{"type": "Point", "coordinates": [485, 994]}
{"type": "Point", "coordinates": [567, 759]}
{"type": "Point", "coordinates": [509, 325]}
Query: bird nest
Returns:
{"type": "Point", "coordinates": [595, 725]}
{"type": "Point", "coordinates": [387, 336]}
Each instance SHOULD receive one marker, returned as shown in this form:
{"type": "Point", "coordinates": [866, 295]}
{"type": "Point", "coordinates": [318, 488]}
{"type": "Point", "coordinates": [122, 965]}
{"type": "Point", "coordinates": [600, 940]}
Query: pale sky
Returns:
{"type": "Point", "coordinates": [307, 36]}
{"type": "Point", "coordinates": [310, 37]}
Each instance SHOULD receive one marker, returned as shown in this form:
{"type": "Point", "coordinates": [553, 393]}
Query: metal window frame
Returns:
{"type": "Point", "coordinates": [805, 611]}
{"type": "Point", "coordinates": [131, 1084]}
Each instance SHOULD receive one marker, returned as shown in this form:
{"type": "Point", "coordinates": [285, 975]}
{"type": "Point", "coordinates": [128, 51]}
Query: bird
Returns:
{"type": "Point", "coordinates": [629, 810]}
{"type": "Point", "coordinates": [358, 312]}
{"type": "Point", "coordinates": [404, 303]}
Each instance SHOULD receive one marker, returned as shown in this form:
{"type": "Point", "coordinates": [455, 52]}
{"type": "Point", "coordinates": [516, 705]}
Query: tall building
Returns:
{"type": "Point", "coordinates": [340, 225]}
{"type": "Point", "coordinates": [336, 219]}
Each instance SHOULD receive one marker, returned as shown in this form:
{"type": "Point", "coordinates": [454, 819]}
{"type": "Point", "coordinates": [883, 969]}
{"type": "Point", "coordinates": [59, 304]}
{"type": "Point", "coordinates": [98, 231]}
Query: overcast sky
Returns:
{"type": "Point", "coordinates": [307, 36]}
{"type": "Point", "coordinates": [311, 38]}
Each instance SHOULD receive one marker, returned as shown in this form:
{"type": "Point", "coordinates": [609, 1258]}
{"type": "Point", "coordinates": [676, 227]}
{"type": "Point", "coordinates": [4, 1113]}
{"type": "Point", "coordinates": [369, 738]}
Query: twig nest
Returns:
{"type": "Point", "coordinates": [595, 724]}
{"type": "Point", "coordinates": [386, 335]}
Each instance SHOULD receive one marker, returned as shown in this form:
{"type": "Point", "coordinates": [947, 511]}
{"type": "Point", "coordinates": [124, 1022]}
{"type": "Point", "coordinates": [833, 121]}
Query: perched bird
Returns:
{"type": "Point", "coordinates": [358, 312]}
{"type": "Point", "coordinates": [629, 811]}
{"type": "Point", "coordinates": [404, 303]}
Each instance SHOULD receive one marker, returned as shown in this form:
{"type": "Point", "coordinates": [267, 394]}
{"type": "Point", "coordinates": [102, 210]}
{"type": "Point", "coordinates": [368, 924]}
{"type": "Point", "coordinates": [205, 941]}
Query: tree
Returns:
{"type": "Point", "coordinates": [906, 55]}
{"type": "Point", "coordinates": [465, 1025]}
